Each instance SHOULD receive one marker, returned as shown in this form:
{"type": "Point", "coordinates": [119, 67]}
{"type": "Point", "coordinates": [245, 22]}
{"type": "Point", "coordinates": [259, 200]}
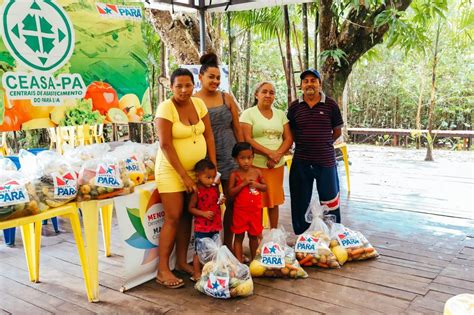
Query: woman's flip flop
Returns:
{"type": "Point", "coordinates": [171, 284]}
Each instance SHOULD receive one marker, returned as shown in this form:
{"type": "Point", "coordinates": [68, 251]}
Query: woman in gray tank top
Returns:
{"type": "Point", "coordinates": [224, 114]}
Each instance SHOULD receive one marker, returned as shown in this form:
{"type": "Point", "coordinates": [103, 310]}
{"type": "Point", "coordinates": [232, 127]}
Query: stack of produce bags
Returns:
{"type": "Point", "coordinates": [312, 247]}
{"type": "Point", "coordinates": [53, 178]}
{"type": "Point", "coordinates": [275, 258]}
{"type": "Point", "coordinates": [17, 194]}
{"type": "Point", "coordinates": [223, 276]}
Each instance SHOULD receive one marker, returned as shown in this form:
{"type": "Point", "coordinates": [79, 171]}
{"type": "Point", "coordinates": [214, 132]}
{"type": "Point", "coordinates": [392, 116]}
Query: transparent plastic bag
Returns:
{"type": "Point", "coordinates": [275, 258]}
{"type": "Point", "coordinates": [350, 245]}
{"type": "Point", "coordinates": [76, 157]}
{"type": "Point", "coordinates": [130, 156]}
{"type": "Point", "coordinates": [53, 178]}
{"type": "Point", "coordinates": [102, 179]}
{"type": "Point", "coordinates": [312, 247]}
{"type": "Point", "coordinates": [17, 196]}
{"type": "Point", "coordinates": [6, 164]}
{"type": "Point", "coordinates": [223, 276]}
{"type": "Point", "coordinates": [207, 248]}
{"type": "Point", "coordinates": [149, 158]}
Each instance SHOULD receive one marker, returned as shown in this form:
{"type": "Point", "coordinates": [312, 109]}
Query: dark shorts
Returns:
{"type": "Point", "coordinates": [198, 236]}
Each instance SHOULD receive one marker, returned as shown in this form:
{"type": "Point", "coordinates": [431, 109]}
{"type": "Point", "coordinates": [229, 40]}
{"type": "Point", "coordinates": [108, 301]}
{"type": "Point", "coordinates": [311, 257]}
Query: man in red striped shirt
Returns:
{"type": "Point", "coordinates": [316, 122]}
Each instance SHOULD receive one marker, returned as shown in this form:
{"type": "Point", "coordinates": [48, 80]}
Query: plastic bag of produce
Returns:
{"type": "Point", "coordinates": [130, 156]}
{"type": "Point", "coordinates": [223, 276]}
{"type": "Point", "coordinates": [101, 179]}
{"type": "Point", "coordinates": [76, 157]}
{"type": "Point", "coordinates": [275, 258]}
{"type": "Point", "coordinates": [350, 245]}
{"type": "Point", "coordinates": [54, 180]}
{"type": "Point", "coordinates": [6, 164]}
{"type": "Point", "coordinates": [149, 158]}
{"type": "Point", "coordinates": [312, 247]}
{"type": "Point", "coordinates": [17, 196]}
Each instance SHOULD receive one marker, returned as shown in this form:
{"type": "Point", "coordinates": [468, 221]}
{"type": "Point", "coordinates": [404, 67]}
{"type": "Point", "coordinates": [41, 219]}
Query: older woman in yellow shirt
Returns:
{"type": "Point", "coordinates": [185, 135]}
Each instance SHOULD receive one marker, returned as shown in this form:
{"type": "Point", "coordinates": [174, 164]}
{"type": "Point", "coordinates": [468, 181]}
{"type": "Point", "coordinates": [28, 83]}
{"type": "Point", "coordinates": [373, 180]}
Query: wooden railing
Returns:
{"type": "Point", "coordinates": [466, 135]}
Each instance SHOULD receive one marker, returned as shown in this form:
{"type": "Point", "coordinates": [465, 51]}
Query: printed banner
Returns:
{"type": "Point", "coordinates": [71, 62]}
{"type": "Point", "coordinates": [140, 218]}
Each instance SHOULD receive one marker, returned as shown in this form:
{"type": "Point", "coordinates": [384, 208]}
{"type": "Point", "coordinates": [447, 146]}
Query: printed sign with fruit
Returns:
{"type": "Point", "coordinates": [93, 71]}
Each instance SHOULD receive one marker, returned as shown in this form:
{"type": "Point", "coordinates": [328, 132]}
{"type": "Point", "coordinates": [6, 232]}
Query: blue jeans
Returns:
{"type": "Point", "coordinates": [302, 176]}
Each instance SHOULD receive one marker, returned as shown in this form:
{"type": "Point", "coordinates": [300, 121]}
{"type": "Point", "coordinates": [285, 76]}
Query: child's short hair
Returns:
{"type": "Point", "coordinates": [203, 165]}
{"type": "Point", "coordinates": [239, 147]}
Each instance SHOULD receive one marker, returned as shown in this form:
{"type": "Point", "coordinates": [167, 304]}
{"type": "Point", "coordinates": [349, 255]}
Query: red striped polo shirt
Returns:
{"type": "Point", "coordinates": [312, 130]}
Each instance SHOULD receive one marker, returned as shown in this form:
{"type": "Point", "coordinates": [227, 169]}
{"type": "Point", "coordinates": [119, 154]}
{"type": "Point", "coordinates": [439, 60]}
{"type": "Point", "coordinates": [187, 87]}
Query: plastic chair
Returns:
{"type": "Point", "coordinates": [3, 145]}
{"type": "Point", "coordinates": [98, 133]}
{"type": "Point", "coordinates": [343, 147]}
{"type": "Point", "coordinates": [84, 135]}
{"type": "Point", "coordinates": [53, 139]}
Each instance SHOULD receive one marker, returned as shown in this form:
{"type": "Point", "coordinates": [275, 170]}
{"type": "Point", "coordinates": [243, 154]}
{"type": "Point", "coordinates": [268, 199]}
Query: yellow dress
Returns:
{"type": "Point", "coordinates": [189, 143]}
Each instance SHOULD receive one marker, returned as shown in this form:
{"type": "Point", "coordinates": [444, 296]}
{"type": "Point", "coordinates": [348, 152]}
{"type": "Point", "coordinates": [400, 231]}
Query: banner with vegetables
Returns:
{"type": "Point", "coordinates": [71, 62]}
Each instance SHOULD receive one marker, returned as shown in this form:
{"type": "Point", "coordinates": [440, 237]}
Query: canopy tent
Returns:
{"type": "Point", "coordinates": [201, 6]}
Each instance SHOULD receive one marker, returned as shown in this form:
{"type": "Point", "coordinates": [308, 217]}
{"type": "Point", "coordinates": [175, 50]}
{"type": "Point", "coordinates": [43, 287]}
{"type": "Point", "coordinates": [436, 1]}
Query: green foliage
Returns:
{"type": "Point", "coordinates": [337, 54]}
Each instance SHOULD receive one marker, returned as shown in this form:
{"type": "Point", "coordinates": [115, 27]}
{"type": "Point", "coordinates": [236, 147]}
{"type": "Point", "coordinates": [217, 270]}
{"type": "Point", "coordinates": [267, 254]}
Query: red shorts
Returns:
{"type": "Point", "coordinates": [247, 220]}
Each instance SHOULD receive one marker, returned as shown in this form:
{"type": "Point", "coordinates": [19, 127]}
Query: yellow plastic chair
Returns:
{"type": "Point", "coordinates": [31, 233]}
{"type": "Point", "coordinates": [53, 138]}
{"type": "Point", "coordinates": [65, 135]}
{"type": "Point", "coordinates": [343, 147]}
{"type": "Point", "coordinates": [84, 136]}
{"type": "Point", "coordinates": [98, 133]}
{"type": "Point", "coordinates": [3, 145]}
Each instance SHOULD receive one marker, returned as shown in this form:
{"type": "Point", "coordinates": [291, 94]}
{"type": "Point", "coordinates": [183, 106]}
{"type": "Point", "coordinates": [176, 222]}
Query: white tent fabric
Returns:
{"type": "Point", "coordinates": [216, 5]}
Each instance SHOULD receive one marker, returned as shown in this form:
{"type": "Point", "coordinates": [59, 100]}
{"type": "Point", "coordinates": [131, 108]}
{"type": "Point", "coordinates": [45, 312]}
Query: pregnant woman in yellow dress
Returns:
{"type": "Point", "coordinates": [185, 136]}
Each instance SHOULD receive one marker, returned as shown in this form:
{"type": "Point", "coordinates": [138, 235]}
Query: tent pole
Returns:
{"type": "Point", "coordinates": [202, 27]}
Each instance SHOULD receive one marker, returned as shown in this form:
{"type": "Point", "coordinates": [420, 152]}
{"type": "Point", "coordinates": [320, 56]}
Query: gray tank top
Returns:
{"type": "Point", "coordinates": [221, 122]}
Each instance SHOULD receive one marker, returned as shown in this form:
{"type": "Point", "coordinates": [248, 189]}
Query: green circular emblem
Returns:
{"type": "Point", "coordinates": [38, 33]}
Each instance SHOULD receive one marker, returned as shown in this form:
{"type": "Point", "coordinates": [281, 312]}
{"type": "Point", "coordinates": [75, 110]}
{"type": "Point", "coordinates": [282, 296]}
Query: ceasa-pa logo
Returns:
{"type": "Point", "coordinates": [40, 36]}
{"type": "Point", "coordinates": [217, 286]}
{"type": "Point", "coordinates": [306, 244]}
{"type": "Point", "coordinates": [348, 239]}
{"type": "Point", "coordinates": [108, 175]}
{"type": "Point", "coordinates": [65, 186]}
{"type": "Point", "coordinates": [273, 255]}
{"type": "Point", "coordinates": [12, 193]}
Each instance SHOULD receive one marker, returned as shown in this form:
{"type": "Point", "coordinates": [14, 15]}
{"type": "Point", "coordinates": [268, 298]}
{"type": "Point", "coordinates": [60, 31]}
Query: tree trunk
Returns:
{"type": "Point", "coordinates": [354, 36]}
{"type": "Point", "coordinates": [247, 69]}
{"type": "Point", "coordinates": [429, 148]}
{"type": "Point", "coordinates": [316, 39]}
{"type": "Point", "coordinates": [418, 112]}
{"type": "Point", "coordinates": [180, 34]}
{"type": "Point", "coordinates": [295, 36]}
{"type": "Point", "coordinates": [283, 60]}
{"type": "Point", "coordinates": [304, 8]}
{"type": "Point", "coordinates": [345, 101]}
{"type": "Point", "coordinates": [231, 43]}
{"type": "Point", "coordinates": [289, 62]}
